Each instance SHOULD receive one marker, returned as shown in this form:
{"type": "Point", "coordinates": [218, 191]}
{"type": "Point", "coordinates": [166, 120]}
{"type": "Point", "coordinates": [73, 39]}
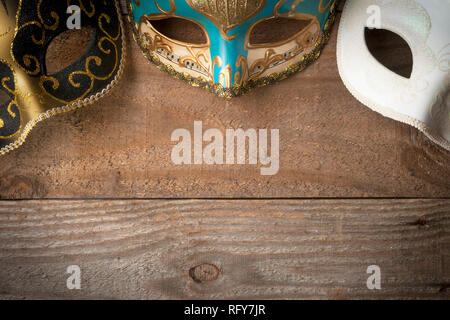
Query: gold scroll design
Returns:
{"type": "Point", "coordinates": [13, 102]}
{"type": "Point", "coordinates": [260, 66]}
{"type": "Point", "coordinates": [291, 13]}
{"type": "Point", "coordinates": [227, 14]}
{"type": "Point", "coordinates": [164, 13]}
{"type": "Point", "coordinates": [160, 41]}
{"type": "Point", "coordinates": [107, 38]}
{"type": "Point", "coordinates": [195, 58]}
{"type": "Point", "coordinates": [225, 73]}
{"type": "Point", "coordinates": [239, 76]}
{"type": "Point", "coordinates": [322, 8]}
{"type": "Point", "coordinates": [153, 44]}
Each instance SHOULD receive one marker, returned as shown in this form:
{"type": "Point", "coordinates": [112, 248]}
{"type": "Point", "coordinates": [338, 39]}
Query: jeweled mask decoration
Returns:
{"type": "Point", "coordinates": [242, 43]}
{"type": "Point", "coordinates": [27, 28]}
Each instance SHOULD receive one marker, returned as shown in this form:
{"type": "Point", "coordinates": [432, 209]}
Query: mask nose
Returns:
{"type": "Point", "coordinates": [228, 57]}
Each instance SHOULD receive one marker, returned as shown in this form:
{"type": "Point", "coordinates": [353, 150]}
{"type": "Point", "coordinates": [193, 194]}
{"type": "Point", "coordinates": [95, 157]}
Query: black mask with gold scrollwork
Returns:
{"type": "Point", "coordinates": [27, 27]}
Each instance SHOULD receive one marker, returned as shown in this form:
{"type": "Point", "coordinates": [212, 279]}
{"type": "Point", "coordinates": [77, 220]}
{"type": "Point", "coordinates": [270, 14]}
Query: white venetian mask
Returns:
{"type": "Point", "coordinates": [423, 100]}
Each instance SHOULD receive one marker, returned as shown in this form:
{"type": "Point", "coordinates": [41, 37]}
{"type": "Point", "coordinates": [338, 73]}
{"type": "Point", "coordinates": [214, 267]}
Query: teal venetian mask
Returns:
{"type": "Point", "coordinates": [229, 46]}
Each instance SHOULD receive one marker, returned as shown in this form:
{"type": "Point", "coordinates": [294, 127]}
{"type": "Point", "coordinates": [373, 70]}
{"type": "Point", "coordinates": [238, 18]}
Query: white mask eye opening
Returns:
{"type": "Point", "coordinates": [67, 48]}
{"type": "Point", "coordinates": [390, 50]}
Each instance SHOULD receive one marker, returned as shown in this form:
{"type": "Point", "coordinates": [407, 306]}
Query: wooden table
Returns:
{"type": "Point", "coordinates": [97, 188]}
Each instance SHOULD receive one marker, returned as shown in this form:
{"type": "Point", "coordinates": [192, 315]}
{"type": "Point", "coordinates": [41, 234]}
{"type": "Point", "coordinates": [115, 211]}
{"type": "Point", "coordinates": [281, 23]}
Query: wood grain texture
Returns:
{"type": "Point", "coordinates": [225, 249]}
{"type": "Point", "coordinates": [330, 144]}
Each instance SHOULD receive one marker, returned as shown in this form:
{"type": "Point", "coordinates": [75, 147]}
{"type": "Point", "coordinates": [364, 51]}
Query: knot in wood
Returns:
{"type": "Point", "coordinates": [204, 273]}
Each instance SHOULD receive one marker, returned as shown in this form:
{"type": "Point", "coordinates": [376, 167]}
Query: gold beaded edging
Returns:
{"type": "Point", "coordinates": [75, 105]}
{"type": "Point", "coordinates": [238, 90]}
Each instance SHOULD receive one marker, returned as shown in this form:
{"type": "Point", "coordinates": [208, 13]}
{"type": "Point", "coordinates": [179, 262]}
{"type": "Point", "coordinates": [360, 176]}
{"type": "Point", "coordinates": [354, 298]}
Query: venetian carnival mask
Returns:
{"type": "Point", "coordinates": [423, 99]}
{"type": "Point", "coordinates": [27, 27]}
{"type": "Point", "coordinates": [232, 45]}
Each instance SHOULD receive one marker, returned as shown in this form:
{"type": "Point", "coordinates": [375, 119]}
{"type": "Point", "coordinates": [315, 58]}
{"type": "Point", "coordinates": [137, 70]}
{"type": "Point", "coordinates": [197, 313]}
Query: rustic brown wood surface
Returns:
{"type": "Point", "coordinates": [185, 240]}
{"type": "Point", "coordinates": [184, 249]}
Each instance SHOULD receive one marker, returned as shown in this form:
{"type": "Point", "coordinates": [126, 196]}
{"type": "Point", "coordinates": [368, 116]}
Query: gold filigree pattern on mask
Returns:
{"type": "Point", "coordinates": [12, 92]}
{"type": "Point", "coordinates": [172, 10]}
{"type": "Point", "coordinates": [324, 7]}
{"type": "Point", "coordinates": [225, 76]}
{"type": "Point", "coordinates": [303, 42]}
{"type": "Point", "coordinates": [240, 76]}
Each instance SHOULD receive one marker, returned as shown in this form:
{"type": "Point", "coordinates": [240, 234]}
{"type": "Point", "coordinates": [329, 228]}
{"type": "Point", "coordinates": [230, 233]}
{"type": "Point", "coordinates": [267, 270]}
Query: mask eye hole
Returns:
{"type": "Point", "coordinates": [391, 50]}
{"type": "Point", "coordinates": [180, 29]}
{"type": "Point", "coordinates": [67, 48]}
{"type": "Point", "coordinates": [275, 30]}
{"type": "Point", "coordinates": [4, 97]}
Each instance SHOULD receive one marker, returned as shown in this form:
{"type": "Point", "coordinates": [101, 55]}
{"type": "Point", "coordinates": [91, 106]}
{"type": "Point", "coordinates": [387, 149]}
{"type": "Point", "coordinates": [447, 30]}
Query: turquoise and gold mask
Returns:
{"type": "Point", "coordinates": [230, 46]}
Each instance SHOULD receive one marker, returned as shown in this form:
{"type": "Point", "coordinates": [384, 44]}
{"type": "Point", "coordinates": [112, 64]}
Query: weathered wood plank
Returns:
{"type": "Point", "coordinates": [247, 249]}
{"type": "Point", "coordinates": [330, 144]}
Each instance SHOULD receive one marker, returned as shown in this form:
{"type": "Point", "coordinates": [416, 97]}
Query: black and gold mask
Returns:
{"type": "Point", "coordinates": [27, 27]}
